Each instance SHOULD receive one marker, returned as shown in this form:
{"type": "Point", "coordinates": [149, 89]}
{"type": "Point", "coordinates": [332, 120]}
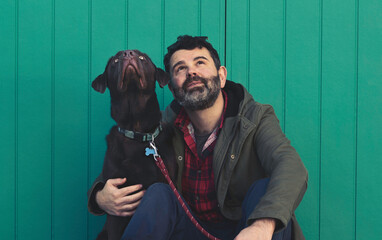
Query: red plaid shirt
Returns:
{"type": "Point", "coordinates": [198, 187]}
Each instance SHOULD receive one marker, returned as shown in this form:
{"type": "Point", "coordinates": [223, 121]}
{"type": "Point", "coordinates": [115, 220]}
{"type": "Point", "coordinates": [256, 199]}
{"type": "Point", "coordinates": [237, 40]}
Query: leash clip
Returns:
{"type": "Point", "coordinates": [152, 150]}
{"type": "Point", "coordinates": [156, 155]}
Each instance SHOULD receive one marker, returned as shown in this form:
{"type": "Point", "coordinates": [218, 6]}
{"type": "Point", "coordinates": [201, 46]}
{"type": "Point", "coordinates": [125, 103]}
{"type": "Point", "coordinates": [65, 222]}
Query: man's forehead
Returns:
{"type": "Point", "coordinates": [186, 55]}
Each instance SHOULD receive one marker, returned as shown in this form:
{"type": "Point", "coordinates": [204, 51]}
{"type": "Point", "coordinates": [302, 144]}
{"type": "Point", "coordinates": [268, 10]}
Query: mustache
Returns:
{"type": "Point", "coordinates": [193, 79]}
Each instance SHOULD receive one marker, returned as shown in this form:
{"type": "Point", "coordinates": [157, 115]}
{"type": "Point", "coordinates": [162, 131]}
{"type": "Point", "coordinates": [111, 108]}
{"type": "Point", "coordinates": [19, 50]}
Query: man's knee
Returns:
{"type": "Point", "coordinates": [252, 198]}
{"type": "Point", "coordinates": [157, 204]}
{"type": "Point", "coordinates": [159, 188]}
{"type": "Point", "coordinates": [256, 192]}
{"type": "Point", "coordinates": [159, 191]}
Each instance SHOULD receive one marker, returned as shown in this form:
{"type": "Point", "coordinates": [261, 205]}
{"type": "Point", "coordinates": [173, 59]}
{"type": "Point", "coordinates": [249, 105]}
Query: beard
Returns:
{"type": "Point", "coordinates": [200, 97]}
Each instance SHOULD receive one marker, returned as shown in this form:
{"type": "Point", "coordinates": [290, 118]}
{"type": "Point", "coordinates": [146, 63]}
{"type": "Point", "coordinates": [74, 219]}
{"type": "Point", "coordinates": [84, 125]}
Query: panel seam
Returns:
{"type": "Point", "coordinates": [248, 44]}
{"type": "Point", "coordinates": [200, 17]}
{"type": "Point", "coordinates": [90, 9]}
{"type": "Point", "coordinates": [225, 33]}
{"type": "Point", "coordinates": [356, 115]}
{"type": "Point", "coordinates": [321, 9]}
{"type": "Point", "coordinates": [16, 69]}
{"type": "Point", "coordinates": [284, 64]}
{"type": "Point", "coordinates": [126, 23]}
{"type": "Point", "coordinates": [53, 93]}
{"type": "Point", "coordinates": [163, 19]}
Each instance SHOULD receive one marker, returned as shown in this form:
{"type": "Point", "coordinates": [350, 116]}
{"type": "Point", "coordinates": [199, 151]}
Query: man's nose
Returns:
{"type": "Point", "coordinates": [191, 72]}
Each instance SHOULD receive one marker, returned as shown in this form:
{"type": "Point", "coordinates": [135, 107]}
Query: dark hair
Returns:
{"type": "Point", "coordinates": [188, 42]}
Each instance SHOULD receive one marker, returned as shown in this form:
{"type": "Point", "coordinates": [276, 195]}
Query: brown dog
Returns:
{"type": "Point", "coordinates": [130, 76]}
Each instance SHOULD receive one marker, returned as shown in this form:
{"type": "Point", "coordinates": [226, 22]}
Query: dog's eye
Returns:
{"type": "Point", "coordinates": [141, 57]}
{"type": "Point", "coordinates": [116, 60]}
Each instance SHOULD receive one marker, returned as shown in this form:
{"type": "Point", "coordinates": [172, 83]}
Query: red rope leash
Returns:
{"type": "Point", "coordinates": [159, 162]}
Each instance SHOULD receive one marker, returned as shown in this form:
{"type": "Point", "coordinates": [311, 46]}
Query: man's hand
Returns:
{"type": "Point", "coordinates": [261, 229]}
{"type": "Point", "coordinates": [119, 202]}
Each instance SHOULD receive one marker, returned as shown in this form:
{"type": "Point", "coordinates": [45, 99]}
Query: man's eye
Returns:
{"type": "Point", "coordinates": [180, 68]}
{"type": "Point", "coordinates": [200, 62]}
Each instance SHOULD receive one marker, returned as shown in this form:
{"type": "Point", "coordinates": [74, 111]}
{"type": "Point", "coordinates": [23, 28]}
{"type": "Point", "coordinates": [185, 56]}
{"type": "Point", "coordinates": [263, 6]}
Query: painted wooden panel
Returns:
{"type": "Point", "coordinates": [108, 35]}
{"type": "Point", "coordinates": [338, 120]}
{"type": "Point", "coordinates": [369, 152]}
{"type": "Point", "coordinates": [8, 123]}
{"type": "Point", "coordinates": [34, 129]}
{"type": "Point", "coordinates": [71, 119]}
{"type": "Point", "coordinates": [319, 63]}
{"type": "Point", "coordinates": [213, 24]}
{"type": "Point", "coordinates": [302, 101]}
{"type": "Point", "coordinates": [267, 54]}
{"type": "Point", "coordinates": [237, 41]}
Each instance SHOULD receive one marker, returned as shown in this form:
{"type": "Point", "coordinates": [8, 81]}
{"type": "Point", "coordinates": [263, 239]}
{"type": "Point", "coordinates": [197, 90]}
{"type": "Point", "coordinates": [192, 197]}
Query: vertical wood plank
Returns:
{"type": "Point", "coordinates": [8, 84]}
{"type": "Point", "coordinates": [108, 36]}
{"type": "Point", "coordinates": [34, 120]}
{"type": "Point", "coordinates": [213, 25]}
{"type": "Point", "coordinates": [266, 68]}
{"type": "Point", "coordinates": [338, 116]}
{"type": "Point", "coordinates": [238, 43]}
{"type": "Point", "coordinates": [369, 152]}
{"type": "Point", "coordinates": [181, 18]}
{"type": "Point", "coordinates": [146, 33]}
{"type": "Point", "coordinates": [302, 106]}
{"type": "Point", "coordinates": [71, 90]}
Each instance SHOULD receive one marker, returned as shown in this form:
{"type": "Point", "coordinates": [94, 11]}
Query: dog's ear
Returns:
{"type": "Point", "coordinates": [99, 84]}
{"type": "Point", "coordinates": [162, 77]}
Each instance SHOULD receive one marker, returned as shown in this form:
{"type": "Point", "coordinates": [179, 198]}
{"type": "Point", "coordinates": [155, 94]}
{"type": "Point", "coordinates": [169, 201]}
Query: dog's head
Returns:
{"type": "Point", "coordinates": [130, 70]}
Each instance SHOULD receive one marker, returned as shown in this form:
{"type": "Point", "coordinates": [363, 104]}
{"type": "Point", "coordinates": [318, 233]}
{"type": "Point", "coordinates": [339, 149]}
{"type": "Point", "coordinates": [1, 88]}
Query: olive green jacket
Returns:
{"type": "Point", "coordinates": [251, 146]}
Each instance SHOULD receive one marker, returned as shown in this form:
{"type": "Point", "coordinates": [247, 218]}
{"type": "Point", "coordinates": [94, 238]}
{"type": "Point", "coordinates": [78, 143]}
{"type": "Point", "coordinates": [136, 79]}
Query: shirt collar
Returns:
{"type": "Point", "coordinates": [183, 122]}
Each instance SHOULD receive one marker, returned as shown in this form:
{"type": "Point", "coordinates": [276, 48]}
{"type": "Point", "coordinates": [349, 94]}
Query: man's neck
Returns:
{"type": "Point", "coordinates": [205, 121]}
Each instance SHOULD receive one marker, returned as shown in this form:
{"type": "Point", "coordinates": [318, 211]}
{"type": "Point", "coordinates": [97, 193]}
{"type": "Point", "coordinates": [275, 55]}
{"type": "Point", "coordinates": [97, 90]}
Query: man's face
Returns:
{"type": "Point", "coordinates": [195, 81]}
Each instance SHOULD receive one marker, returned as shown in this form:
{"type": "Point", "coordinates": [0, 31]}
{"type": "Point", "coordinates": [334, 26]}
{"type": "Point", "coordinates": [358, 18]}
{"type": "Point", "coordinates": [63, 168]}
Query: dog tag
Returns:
{"type": "Point", "coordinates": [149, 151]}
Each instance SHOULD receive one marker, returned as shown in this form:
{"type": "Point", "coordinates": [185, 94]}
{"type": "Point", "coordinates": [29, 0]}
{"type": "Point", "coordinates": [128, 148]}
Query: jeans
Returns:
{"type": "Point", "coordinates": [160, 216]}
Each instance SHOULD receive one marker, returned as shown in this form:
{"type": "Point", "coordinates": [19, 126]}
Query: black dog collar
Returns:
{"type": "Point", "coordinates": [143, 137]}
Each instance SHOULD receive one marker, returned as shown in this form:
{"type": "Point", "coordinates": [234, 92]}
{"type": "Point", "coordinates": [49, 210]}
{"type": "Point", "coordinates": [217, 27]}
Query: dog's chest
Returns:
{"type": "Point", "coordinates": [128, 159]}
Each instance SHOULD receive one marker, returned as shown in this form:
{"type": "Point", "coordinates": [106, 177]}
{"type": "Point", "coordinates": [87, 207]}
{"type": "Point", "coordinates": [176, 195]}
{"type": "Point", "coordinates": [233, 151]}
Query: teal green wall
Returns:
{"type": "Point", "coordinates": [318, 62]}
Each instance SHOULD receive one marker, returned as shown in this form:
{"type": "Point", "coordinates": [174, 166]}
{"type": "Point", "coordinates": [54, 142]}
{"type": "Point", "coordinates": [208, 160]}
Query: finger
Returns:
{"type": "Point", "coordinates": [130, 189]}
{"type": "Point", "coordinates": [128, 209]}
{"type": "Point", "coordinates": [129, 199]}
{"type": "Point", "coordinates": [132, 206]}
{"type": "Point", "coordinates": [126, 214]}
{"type": "Point", "coordinates": [116, 181]}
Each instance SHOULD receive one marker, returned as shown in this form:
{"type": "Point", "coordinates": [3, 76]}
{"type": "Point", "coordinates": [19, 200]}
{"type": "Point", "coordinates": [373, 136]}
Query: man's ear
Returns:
{"type": "Point", "coordinates": [162, 77]}
{"type": "Point", "coordinates": [222, 76]}
{"type": "Point", "coordinates": [99, 84]}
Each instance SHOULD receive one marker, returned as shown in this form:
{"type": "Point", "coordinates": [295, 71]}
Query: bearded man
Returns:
{"type": "Point", "coordinates": [237, 172]}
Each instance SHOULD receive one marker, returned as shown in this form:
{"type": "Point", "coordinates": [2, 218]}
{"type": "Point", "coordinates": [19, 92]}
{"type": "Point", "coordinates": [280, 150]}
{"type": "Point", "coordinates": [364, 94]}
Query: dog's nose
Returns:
{"type": "Point", "coordinates": [128, 53]}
